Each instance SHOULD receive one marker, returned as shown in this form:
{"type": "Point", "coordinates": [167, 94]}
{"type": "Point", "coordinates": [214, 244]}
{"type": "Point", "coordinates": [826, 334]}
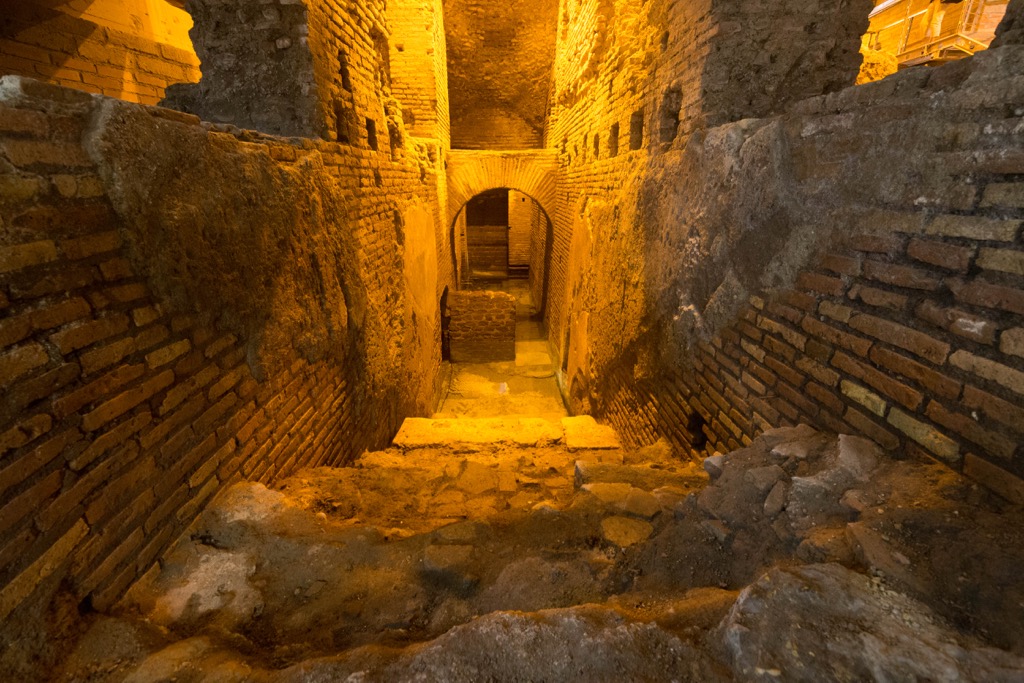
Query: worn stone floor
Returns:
{"type": "Point", "coordinates": [502, 540]}
{"type": "Point", "coordinates": [514, 549]}
{"type": "Point", "coordinates": [526, 387]}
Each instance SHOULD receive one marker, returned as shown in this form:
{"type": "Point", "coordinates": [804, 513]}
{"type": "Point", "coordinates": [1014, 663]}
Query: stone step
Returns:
{"type": "Point", "coordinates": [584, 433]}
{"type": "Point", "coordinates": [468, 433]}
{"type": "Point", "coordinates": [639, 476]}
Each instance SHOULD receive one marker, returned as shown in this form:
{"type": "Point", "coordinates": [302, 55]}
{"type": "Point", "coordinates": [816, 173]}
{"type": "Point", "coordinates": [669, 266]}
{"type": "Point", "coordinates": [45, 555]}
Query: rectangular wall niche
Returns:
{"type": "Point", "coordinates": [371, 134]}
{"type": "Point", "coordinates": [636, 130]}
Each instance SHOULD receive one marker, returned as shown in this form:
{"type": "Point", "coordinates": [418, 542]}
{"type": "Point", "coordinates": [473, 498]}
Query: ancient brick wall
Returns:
{"type": "Point", "coordinates": [665, 228]}
{"type": "Point", "coordinates": [631, 81]}
{"type": "Point", "coordinates": [120, 48]}
{"type": "Point", "coordinates": [483, 326]}
{"type": "Point", "coordinates": [499, 65]}
{"type": "Point", "coordinates": [520, 216]}
{"type": "Point", "coordinates": [419, 70]}
{"type": "Point", "coordinates": [258, 70]}
{"type": "Point", "coordinates": [124, 412]}
{"type": "Point", "coordinates": [905, 328]}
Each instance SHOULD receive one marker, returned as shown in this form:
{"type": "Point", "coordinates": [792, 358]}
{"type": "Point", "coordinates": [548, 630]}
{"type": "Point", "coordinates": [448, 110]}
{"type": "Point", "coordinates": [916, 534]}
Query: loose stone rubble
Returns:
{"type": "Point", "coordinates": [804, 557]}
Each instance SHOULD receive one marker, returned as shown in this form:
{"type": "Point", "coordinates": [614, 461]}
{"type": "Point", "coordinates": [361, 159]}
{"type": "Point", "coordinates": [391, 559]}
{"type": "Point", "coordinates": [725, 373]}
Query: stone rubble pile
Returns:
{"type": "Point", "coordinates": [803, 557]}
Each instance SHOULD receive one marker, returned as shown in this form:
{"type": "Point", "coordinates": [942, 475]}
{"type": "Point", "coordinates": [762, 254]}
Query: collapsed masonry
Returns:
{"type": "Point", "coordinates": [738, 240]}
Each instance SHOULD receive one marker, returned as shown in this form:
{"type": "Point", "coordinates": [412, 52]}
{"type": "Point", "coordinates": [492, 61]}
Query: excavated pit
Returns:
{"type": "Point", "coordinates": [513, 549]}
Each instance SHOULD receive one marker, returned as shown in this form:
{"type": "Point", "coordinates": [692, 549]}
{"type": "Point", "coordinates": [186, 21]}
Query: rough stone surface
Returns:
{"type": "Point", "coordinates": [390, 568]}
{"type": "Point", "coordinates": [259, 75]}
{"type": "Point", "coordinates": [862, 631]}
{"type": "Point", "coordinates": [187, 240]}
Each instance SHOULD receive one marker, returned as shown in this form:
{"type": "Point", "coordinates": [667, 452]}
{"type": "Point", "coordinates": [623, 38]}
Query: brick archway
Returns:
{"type": "Point", "coordinates": [470, 172]}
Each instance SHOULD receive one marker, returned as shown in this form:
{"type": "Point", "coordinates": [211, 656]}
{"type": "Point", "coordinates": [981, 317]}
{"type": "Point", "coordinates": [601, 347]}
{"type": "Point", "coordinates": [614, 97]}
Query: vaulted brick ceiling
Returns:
{"type": "Point", "coordinates": [500, 54]}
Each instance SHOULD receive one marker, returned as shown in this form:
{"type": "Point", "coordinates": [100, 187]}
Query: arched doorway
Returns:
{"type": "Point", "coordinates": [500, 236]}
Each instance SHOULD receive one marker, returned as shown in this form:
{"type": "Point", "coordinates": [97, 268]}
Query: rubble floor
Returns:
{"type": "Point", "coordinates": [556, 555]}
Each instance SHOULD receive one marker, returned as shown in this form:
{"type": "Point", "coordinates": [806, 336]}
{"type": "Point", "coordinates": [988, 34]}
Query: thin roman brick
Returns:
{"type": "Point", "coordinates": [117, 491]}
{"type": "Point", "coordinates": [156, 544]}
{"type": "Point", "coordinates": [988, 295]}
{"type": "Point", "coordinates": [807, 407]}
{"type": "Point", "coordinates": [170, 503]}
{"type": "Point", "coordinates": [21, 586]}
{"type": "Point", "coordinates": [161, 431]}
{"type": "Point", "coordinates": [836, 337]}
{"type": "Point", "coordinates": [842, 265]}
{"type": "Point", "coordinates": [901, 276]}
{"type": "Point", "coordinates": [27, 502]}
{"type": "Point", "coordinates": [787, 313]}
{"type": "Point", "coordinates": [110, 440]}
{"type": "Point", "coordinates": [818, 371]}
{"type": "Point", "coordinates": [822, 284]}
{"type": "Point", "coordinates": [91, 245]}
{"type": "Point", "coordinates": [28, 391]}
{"type": "Point", "coordinates": [994, 372]}
{"type": "Point", "coordinates": [25, 466]}
{"type": "Point", "coordinates": [825, 397]}
{"type": "Point", "coordinates": [215, 413]}
{"type": "Point", "coordinates": [19, 362]}
{"type": "Point", "coordinates": [994, 408]}
{"type": "Point", "coordinates": [949, 256]}
{"type": "Point", "coordinates": [726, 364]}
{"type": "Point", "coordinates": [749, 330]}
{"type": "Point", "coordinates": [974, 227]}
{"type": "Point", "coordinates": [60, 313]}
{"type": "Point", "coordinates": [105, 356]}
{"type": "Point", "coordinates": [862, 424]}
{"type": "Point", "coordinates": [971, 430]}
{"type": "Point", "coordinates": [934, 441]}
{"type": "Point", "coordinates": [902, 394]}
{"type": "Point", "coordinates": [934, 381]}
{"type": "Point", "coordinates": [227, 382]}
{"type": "Point", "coordinates": [182, 390]}
{"type": "Point", "coordinates": [904, 337]}
{"type": "Point", "coordinates": [25, 432]}
{"type": "Point", "coordinates": [994, 477]}
{"type": "Point", "coordinates": [835, 311]}
{"type": "Point", "coordinates": [881, 244]}
{"type": "Point", "coordinates": [124, 402]}
{"type": "Point", "coordinates": [786, 371]}
{"type": "Point", "coordinates": [235, 423]}
{"type": "Point", "coordinates": [784, 408]}
{"type": "Point", "coordinates": [879, 298]}
{"type": "Point", "coordinates": [88, 333]}
{"type": "Point", "coordinates": [209, 467]}
{"type": "Point", "coordinates": [104, 571]}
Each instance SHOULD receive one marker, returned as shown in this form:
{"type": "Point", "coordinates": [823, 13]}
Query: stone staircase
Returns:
{"type": "Point", "coordinates": [520, 549]}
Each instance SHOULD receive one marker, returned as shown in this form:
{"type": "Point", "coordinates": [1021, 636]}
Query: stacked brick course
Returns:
{"type": "Point", "coordinates": [483, 327]}
{"type": "Point", "coordinates": [911, 334]}
{"type": "Point", "coordinates": [49, 44]}
{"type": "Point", "coordinates": [904, 332]}
{"type": "Point", "coordinates": [122, 415]}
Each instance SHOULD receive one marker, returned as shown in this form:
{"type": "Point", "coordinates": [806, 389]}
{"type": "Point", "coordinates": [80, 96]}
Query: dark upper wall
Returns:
{"type": "Point", "coordinates": [1012, 28]}
{"type": "Point", "coordinates": [500, 54]}
{"type": "Point", "coordinates": [257, 69]}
